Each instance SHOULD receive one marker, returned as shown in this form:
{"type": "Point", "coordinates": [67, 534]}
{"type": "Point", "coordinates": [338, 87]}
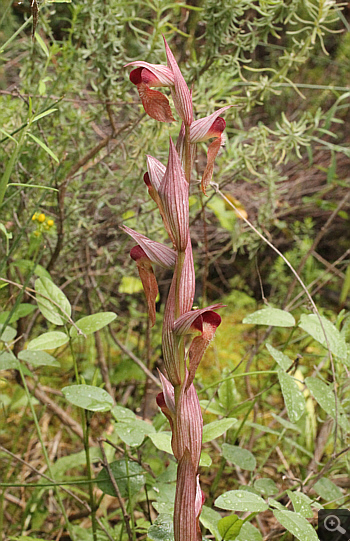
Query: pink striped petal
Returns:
{"type": "Point", "coordinates": [163, 74]}
{"type": "Point", "coordinates": [201, 129]}
{"type": "Point", "coordinates": [186, 324]}
{"type": "Point", "coordinates": [189, 424]}
{"type": "Point", "coordinates": [180, 92]}
{"type": "Point", "coordinates": [168, 390]}
{"type": "Point", "coordinates": [156, 171]}
{"type": "Point", "coordinates": [156, 252]}
{"type": "Point", "coordinates": [187, 281]}
{"type": "Point", "coordinates": [173, 193]}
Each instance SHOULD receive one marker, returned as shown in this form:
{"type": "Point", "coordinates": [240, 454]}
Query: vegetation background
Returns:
{"type": "Point", "coordinates": [73, 140]}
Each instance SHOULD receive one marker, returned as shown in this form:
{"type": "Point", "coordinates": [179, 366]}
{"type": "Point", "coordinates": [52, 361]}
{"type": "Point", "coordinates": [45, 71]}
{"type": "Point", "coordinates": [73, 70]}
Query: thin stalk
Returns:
{"type": "Point", "coordinates": [47, 460]}
{"type": "Point", "coordinates": [10, 165]}
{"type": "Point", "coordinates": [131, 511]}
{"type": "Point", "coordinates": [85, 424]}
{"type": "Point", "coordinates": [10, 40]}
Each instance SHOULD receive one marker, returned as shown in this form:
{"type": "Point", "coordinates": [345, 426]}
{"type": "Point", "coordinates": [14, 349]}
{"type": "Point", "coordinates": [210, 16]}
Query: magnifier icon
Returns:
{"type": "Point", "coordinates": [332, 524]}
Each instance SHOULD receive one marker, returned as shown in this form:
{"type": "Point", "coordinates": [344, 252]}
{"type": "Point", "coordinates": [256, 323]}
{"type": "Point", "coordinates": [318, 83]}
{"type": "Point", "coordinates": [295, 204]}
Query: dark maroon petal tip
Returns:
{"type": "Point", "coordinates": [147, 180]}
{"type": "Point", "coordinates": [161, 400]}
{"type": "Point", "coordinates": [137, 253]}
{"type": "Point", "coordinates": [212, 318]}
{"type": "Point", "coordinates": [218, 125]}
{"type": "Point", "coordinates": [135, 76]}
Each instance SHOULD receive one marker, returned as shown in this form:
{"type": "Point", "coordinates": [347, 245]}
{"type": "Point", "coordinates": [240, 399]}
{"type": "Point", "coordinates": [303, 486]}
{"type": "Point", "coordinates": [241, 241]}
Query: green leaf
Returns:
{"type": "Point", "coordinates": [162, 529]}
{"type": "Point", "coordinates": [121, 414]}
{"type": "Point", "coordinates": [133, 431]}
{"type": "Point", "coordinates": [136, 478]}
{"type": "Point", "coordinates": [266, 486]}
{"type": "Point", "coordinates": [48, 340]}
{"type": "Point", "coordinates": [296, 525]}
{"type": "Point", "coordinates": [240, 500]}
{"type": "Point", "coordinates": [301, 503]}
{"type": "Point", "coordinates": [310, 323]}
{"type": "Point", "coordinates": [21, 311]}
{"type": "Point", "coordinates": [327, 490]}
{"type": "Point", "coordinates": [7, 334]}
{"type": "Point", "coordinates": [45, 113]}
{"type": "Point", "coordinates": [93, 323]}
{"type": "Point", "coordinates": [215, 429]}
{"type": "Point", "coordinates": [280, 358]}
{"type": "Point", "coordinates": [226, 393]}
{"type": "Point", "coordinates": [38, 358]}
{"type": "Point", "coordinates": [293, 397]}
{"type": "Point", "coordinates": [25, 265]}
{"type": "Point", "coordinates": [55, 313]}
{"type": "Point", "coordinates": [229, 527]}
{"type": "Point", "coordinates": [205, 460]}
{"type": "Point", "coordinates": [286, 424]}
{"type": "Point", "coordinates": [210, 518]}
{"type": "Point", "coordinates": [249, 531]}
{"type": "Point", "coordinates": [270, 316]}
{"type": "Point", "coordinates": [88, 397]}
{"type": "Point", "coordinates": [324, 396]}
{"type": "Point", "coordinates": [165, 497]}
{"type": "Point", "coordinates": [238, 456]}
{"type": "Point", "coordinates": [162, 440]}
{"type": "Point", "coordinates": [68, 462]}
{"type": "Point", "coordinates": [44, 147]}
{"type": "Point", "coordinates": [8, 361]}
{"type": "Point", "coordinates": [276, 505]}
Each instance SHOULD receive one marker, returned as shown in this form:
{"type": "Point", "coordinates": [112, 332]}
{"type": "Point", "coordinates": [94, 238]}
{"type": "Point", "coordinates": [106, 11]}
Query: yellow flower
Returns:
{"type": "Point", "coordinates": [34, 217]}
{"type": "Point", "coordinates": [50, 223]}
{"type": "Point", "coordinates": [41, 218]}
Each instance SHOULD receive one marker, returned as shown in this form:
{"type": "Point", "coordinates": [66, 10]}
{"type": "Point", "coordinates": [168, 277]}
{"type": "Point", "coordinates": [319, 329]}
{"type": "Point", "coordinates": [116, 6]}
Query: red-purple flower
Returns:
{"type": "Point", "coordinates": [155, 103]}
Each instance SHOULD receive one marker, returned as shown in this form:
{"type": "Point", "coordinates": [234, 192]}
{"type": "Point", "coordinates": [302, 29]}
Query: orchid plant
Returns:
{"type": "Point", "coordinates": [186, 332]}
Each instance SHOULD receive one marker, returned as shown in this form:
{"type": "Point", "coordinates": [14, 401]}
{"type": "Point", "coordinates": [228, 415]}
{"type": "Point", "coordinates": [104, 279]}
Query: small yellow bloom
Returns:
{"type": "Point", "coordinates": [50, 223]}
{"type": "Point", "coordinates": [34, 217]}
{"type": "Point", "coordinates": [41, 218]}
{"type": "Point", "coordinates": [37, 233]}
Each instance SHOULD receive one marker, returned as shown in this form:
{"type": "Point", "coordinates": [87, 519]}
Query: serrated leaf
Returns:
{"type": "Point", "coordinates": [327, 490]}
{"type": "Point", "coordinates": [270, 316]}
{"type": "Point", "coordinates": [296, 525]}
{"type": "Point", "coordinates": [162, 440]}
{"type": "Point", "coordinates": [57, 313]}
{"type": "Point", "coordinates": [280, 358]}
{"type": "Point", "coordinates": [301, 503]}
{"type": "Point", "coordinates": [162, 529]}
{"type": "Point", "coordinates": [240, 500]}
{"type": "Point", "coordinates": [266, 486]}
{"type": "Point", "coordinates": [93, 323]}
{"type": "Point", "coordinates": [133, 431]}
{"type": "Point", "coordinates": [311, 324]}
{"type": "Point", "coordinates": [229, 527]}
{"type": "Point", "coordinates": [215, 429]}
{"type": "Point", "coordinates": [293, 397]}
{"type": "Point", "coordinates": [249, 531]}
{"type": "Point", "coordinates": [135, 479]}
{"type": "Point", "coordinates": [238, 456]}
{"type": "Point", "coordinates": [48, 340]}
{"type": "Point", "coordinates": [88, 397]}
{"type": "Point", "coordinates": [38, 358]}
{"type": "Point", "coordinates": [7, 334]}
